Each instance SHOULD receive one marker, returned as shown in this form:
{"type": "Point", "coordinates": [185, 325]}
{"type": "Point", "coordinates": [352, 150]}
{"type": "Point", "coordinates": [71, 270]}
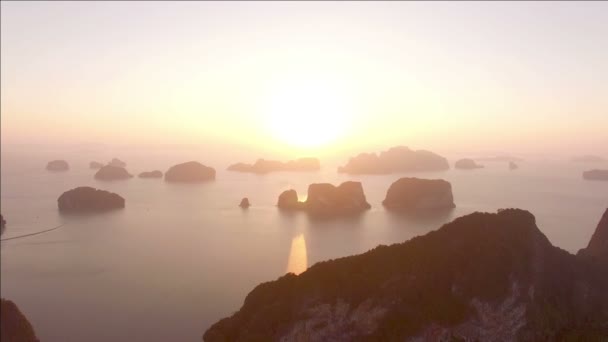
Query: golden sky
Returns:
{"type": "Point", "coordinates": [307, 76]}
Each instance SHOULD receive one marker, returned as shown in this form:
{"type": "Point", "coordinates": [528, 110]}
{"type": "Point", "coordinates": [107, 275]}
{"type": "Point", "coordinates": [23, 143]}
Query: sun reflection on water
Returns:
{"type": "Point", "coordinates": [298, 259]}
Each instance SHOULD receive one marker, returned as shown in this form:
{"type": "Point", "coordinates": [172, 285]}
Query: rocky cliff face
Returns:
{"type": "Point", "coordinates": [14, 327]}
{"type": "Point", "coordinates": [482, 277]}
{"type": "Point", "coordinates": [396, 159]}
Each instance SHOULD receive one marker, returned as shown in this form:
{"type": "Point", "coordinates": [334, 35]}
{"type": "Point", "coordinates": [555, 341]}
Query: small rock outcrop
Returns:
{"type": "Point", "coordinates": [325, 199]}
{"type": "Point", "coordinates": [84, 198]}
{"type": "Point", "coordinates": [266, 166]}
{"type": "Point", "coordinates": [415, 194]}
{"type": "Point", "coordinates": [467, 164]}
{"type": "Point", "coordinates": [288, 200]}
{"type": "Point", "coordinates": [2, 224]}
{"type": "Point", "coordinates": [117, 162]}
{"type": "Point", "coordinates": [513, 166]}
{"type": "Point", "coordinates": [190, 172]}
{"type": "Point", "coordinates": [110, 172]}
{"type": "Point", "coordinates": [58, 165]}
{"type": "Point", "coordinates": [244, 203]}
{"type": "Point", "coordinates": [151, 174]}
{"type": "Point", "coordinates": [481, 277]}
{"type": "Point", "coordinates": [596, 175]}
{"type": "Point", "coordinates": [95, 165]}
{"type": "Point", "coordinates": [14, 326]}
{"type": "Point", "coordinates": [396, 159]}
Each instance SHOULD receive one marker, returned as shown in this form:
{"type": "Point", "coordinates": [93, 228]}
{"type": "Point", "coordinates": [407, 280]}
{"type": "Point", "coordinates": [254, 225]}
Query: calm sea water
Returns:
{"type": "Point", "coordinates": [180, 257]}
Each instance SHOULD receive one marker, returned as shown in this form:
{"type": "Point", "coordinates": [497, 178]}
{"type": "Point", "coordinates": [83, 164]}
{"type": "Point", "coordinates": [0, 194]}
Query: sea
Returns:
{"type": "Point", "coordinates": [179, 257]}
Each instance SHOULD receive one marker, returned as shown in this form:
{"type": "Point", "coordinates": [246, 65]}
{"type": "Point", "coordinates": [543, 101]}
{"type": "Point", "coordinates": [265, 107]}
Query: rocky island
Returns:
{"type": "Point", "coordinates": [467, 164]}
{"type": "Point", "coordinates": [596, 174]}
{"type": "Point", "coordinates": [110, 172]}
{"type": "Point", "coordinates": [513, 166]}
{"type": "Point", "coordinates": [325, 199]}
{"type": "Point", "coordinates": [396, 159]}
{"type": "Point", "coordinates": [151, 174]}
{"type": "Point", "coordinates": [57, 165]}
{"type": "Point", "coordinates": [482, 277]}
{"type": "Point", "coordinates": [190, 172]}
{"type": "Point", "coordinates": [266, 166]}
{"type": "Point", "coordinates": [85, 199]}
{"type": "Point", "coordinates": [244, 203]}
{"type": "Point", "coordinates": [415, 194]}
{"type": "Point", "coordinates": [14, 326]}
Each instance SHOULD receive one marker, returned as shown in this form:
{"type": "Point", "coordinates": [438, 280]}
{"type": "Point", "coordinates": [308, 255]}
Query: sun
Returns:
{"type": "Point", "coordinates": [307, 113]}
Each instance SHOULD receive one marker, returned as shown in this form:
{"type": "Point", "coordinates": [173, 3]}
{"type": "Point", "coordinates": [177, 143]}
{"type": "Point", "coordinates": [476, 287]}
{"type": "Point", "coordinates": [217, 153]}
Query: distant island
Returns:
{"type": "Point", "coordinates": [325, 199]}
{"type": "Point", "coordinates": [589, 158]}
{"type": "Point", "coordinates": [266, 166]}
{"type": "Point", "coordinates": [117, 162]}
{"type": "Point", "coordinates": [151, 174]}
{"type": "Point", "coordinates": [396, 159]}
{"type": "Point", "coordinates": [57, 165]}
{"type": "Point", "coordinates": [499, 158]}
{"type": "Point", "coordinates": [415, 195]}
{"type": "Point", "coordinates": [87, 199]}
{"type": "Point", "coordinates": [596, 174]}
{"type": "Point", "coordinates": [467, 164]}
{"type": "Point", "coordinates": [110, 172]}
{"type": "Point", "coordinates": [190, 172]}
{"type": "Point", "coordinates": [482, 277]}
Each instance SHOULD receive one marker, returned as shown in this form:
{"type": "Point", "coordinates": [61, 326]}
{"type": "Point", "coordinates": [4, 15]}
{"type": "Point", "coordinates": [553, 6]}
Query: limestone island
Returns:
{"type": "Point", "coordinates": [396, 159]}
{"type": "Point", "coordinates": [244, 203]}
{"type": "Point", "coordinates": [266, 166]}
{"type": "Point", "coordinates": [57, 165]}
{"type": "Point", "coordinates": [415, 194]}
{"type": "Point", "coordinates": [190, 172]}
{"type": "Point", "coordinates": [110, 172]}
{"type": "Point", "coordinates": [325, 199]}
{"type": "Point", "coordinates": [601, 175]}
{"type": "Point", "coordinates": [85, 199]}
{"type": "Point", "coordinates": [95, 165]}
{"type": "Point", "coordinates": [151, 174]}
{"type": "Point", "coordinates": [467, 164]}
{"type": "Point", "coordinates": [481, 277]}
{"type": "Point", "coordinates": [513, 166]}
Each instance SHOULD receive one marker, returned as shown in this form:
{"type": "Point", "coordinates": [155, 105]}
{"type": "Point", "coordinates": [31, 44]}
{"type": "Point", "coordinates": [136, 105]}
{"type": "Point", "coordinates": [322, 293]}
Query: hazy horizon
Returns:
{"type": "Point", "coordinates": [307, 78]}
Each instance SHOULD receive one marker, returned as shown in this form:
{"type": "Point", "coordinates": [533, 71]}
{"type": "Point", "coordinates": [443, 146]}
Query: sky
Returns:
{"type": "Point", "coordinates": [308, 78]}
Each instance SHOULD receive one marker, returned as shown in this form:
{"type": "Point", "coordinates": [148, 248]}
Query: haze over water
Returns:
{"type": "Point", "coordinates": [180, 257]}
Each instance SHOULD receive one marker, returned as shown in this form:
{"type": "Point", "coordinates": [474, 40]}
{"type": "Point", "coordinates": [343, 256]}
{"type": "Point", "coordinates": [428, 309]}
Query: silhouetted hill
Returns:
{"type": "Point", "coordinates": [85, 198]}
{"type": "Point", "coordinates": [482, 277]}
{"type": "Point", "coordinates": [57, 165]}
{"type": "Point", "coordinates": [110, 172]}
{"type": "Point", "coordinates": [396, 159]}
{"type": "Point", "coordinates": [467, 164]}
{"type": "Point", "coordinates": [14, 326]}
{"type": "Point", "coordinates": [265, 166]}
